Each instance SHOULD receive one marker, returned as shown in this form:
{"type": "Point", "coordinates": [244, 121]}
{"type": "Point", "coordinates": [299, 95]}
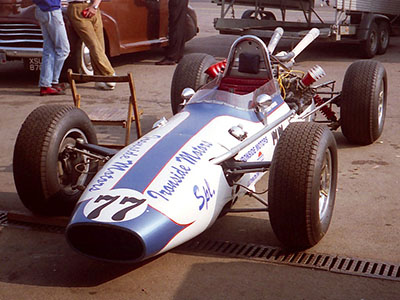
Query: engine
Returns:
{"type": "Point", "coordinates": [296, 87]}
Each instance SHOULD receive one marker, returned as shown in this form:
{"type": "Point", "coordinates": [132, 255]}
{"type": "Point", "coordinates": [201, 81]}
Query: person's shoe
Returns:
{"type": "Point", "coordinates": [166, 62]}
{"type": "Point", "coordinates": [105, 85]}
{"type": "Point", "coordinates": [59, 86]}
{"type": "Point", "coordinates": [49, 91]}
{"type": "Point", "coordinates": [110, 85]}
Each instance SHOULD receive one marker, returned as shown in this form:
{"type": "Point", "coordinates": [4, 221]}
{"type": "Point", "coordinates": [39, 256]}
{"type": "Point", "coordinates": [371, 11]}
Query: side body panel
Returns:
{"type": "Point", "coordinates": [163, 188]}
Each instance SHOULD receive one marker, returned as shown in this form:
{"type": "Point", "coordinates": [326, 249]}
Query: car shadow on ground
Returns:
{"type": "Point", "coordinates": [343, 143]}
{"type": "Point", "coordinates": [40, 258]}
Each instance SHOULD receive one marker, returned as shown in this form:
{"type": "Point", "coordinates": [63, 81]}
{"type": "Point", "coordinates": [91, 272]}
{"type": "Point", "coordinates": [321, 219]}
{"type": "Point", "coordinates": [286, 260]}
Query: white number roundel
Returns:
{"type": "Point", "coordinates": [115, 206]}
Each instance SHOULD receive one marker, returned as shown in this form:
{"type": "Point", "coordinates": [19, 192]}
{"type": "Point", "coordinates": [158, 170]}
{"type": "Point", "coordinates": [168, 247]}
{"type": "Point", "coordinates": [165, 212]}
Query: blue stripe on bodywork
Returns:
{"type": "Point", "coordinates": [147, 168]}
{"type": "Point", "coordinates": [156, 230]}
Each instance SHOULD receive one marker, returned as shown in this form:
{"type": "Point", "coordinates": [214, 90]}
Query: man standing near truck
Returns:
{"type": "Point", "coordinates": [55, 45]}
{"type": "Point", "coordinates": [177, 10]}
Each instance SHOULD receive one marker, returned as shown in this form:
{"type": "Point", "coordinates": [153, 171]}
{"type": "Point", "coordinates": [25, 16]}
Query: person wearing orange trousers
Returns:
{"type": "Point", "coordinates": [89, 27]}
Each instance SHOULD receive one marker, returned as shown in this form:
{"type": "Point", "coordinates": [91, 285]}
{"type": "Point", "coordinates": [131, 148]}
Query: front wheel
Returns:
{"type": "Point", "coordinates": [47, 171]}
{"type": "Point", "coordinates": [189, 73]}
{"type": "Point", "coordinates": [302, 184]}
{"type": "Point", "coordinates": [364, 101]}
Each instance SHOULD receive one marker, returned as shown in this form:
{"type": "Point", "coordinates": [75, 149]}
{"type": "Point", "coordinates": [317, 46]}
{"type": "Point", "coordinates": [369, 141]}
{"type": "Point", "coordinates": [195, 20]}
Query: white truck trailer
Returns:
{"type": "Point", "coordinates": [370, 23]}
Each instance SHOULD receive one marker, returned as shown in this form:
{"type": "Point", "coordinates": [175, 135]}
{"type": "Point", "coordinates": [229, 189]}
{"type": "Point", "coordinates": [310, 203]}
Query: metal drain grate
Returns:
{"type": "Point", "coordinates": [336, 264]}
{"type": "Point", "coordinates": [3, 218]}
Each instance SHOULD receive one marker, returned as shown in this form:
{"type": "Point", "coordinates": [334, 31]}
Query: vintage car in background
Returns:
{"type": "Point", "coordinates": [129, 26]}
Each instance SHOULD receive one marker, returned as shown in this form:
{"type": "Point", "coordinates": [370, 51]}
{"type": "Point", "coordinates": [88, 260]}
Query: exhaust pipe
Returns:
{"type": "Point", "coordinates": [276, 37]}
{"type": "Point", "coordinates": [307, 40]}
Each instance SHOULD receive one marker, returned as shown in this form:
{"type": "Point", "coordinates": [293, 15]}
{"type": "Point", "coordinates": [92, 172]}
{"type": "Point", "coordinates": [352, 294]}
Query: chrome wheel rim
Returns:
{"type": "Point", "coordinates": [374, 41]}
{"type": "Point", "coordinates": [86, 63]}
{"type": "Point", "coordinates": [72, 168]}
{"type": "Point", "coordinates": [381, 105]}
{"type": "Point", "coordinates": [325, 185]}
{"type": "Point", "coordinates": [384, 38]}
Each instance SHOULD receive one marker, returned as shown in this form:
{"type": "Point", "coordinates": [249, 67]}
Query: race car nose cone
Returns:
{"type": "Point", "coordinates": [104, 242]}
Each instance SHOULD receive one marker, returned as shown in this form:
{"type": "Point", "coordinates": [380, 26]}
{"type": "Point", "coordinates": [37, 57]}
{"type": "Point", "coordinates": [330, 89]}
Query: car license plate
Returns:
{"type": "Point", "coordinates": [34, 63]}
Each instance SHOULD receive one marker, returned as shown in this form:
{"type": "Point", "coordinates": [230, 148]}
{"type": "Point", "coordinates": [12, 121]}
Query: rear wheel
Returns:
{"type": "Point", "coordinates": [262, 15]}
{"type": "Point", "coordinates": [364, 101]}
{"type": "Point", "coordinates": [383, 37]}
{"type": "Point", "coordinates": [302, 184]}
{"type": "Point", "coordinates": [369, 47]}
{"type": "Point", "coordinates": [189, 73]}
{"type": "Point", "coordinates": [47, 173]}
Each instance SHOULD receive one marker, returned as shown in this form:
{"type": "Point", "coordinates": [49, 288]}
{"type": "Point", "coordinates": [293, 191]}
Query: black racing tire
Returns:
{"type": "Point", "coordinates": [44, 171]}
{"type": "Point", "coordinates": [363, 102]}
{"type": "Point", "coordinates": [302, 184]}
{"type": "Point", "coordinates": [383, 37]}
{"type": "Point", "coordinates": [189, 73]}
{"type": "Point", "coordinates": [369, 47]}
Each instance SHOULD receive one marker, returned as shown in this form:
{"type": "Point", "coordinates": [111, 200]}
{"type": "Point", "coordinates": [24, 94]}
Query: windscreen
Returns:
{"type": "Point", "coordinates": [212, 94]}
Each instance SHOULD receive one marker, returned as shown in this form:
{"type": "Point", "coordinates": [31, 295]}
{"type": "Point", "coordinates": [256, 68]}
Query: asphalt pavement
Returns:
{"type": "Point", "coordinates": [37, 263]}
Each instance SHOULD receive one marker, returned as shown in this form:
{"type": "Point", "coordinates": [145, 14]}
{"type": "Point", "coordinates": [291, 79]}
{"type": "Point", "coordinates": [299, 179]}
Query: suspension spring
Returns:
{"type": "Point", "coordinates": [326, 110]}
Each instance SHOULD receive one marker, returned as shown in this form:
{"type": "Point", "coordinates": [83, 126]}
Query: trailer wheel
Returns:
{"type": "Point", "coordinates": [46, 172]}
{"type": "Point", "coordinates": [262, 15]}
{"type": "Point", "coordinates": [383, 37]}
{"type": "Point", "coordinates": [369, 47]}
{"type": "Point", "coordinates": [189, 73]}
{"type": "Point", "coordinates": [302, 184]}
{"type": "Point", "coordinates": [363, 103]}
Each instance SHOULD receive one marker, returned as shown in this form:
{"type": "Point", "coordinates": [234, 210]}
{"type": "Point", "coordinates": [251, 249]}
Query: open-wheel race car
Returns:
{"type": "Point", "coordinates": [233, 122]}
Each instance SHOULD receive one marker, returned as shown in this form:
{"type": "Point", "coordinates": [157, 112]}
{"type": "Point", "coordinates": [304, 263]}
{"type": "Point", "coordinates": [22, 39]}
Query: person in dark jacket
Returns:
{"type": "Point", "coordinates": [55, 45]}
{"type": "Point", "coordinates": [176, 32]}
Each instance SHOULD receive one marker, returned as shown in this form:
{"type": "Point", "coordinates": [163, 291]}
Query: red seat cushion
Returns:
{"type": "Point", "coordinates": [240, 86]}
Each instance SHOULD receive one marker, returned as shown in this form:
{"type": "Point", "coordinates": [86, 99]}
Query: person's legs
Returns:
{"type": "Point", "coordinates": [177, 18]}
{"type": "Point", "coordinates": [58, 34]}
{"type": "Point", "coordinates": [104, 64]}
{"type": "Point", "coordinates": [47, 66]}
{"type": "Point", "coordinates": [176, 31]}
{"type": "Point", "coordinates": [85, 27]}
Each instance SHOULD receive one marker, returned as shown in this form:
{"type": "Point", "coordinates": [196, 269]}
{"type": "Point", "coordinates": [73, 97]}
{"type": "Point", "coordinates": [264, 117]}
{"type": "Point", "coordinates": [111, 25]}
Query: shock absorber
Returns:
{"type": "Point", "coordinates": [217, 68]}
{"type": "Point", "coordinates": [314, 74]}
{"type": "Point", "coordinates": [326, 111]}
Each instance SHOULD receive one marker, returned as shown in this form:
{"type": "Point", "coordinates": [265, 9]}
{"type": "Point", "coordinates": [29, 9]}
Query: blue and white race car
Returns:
{"type": "Point", "coordinates": [234, 121]}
